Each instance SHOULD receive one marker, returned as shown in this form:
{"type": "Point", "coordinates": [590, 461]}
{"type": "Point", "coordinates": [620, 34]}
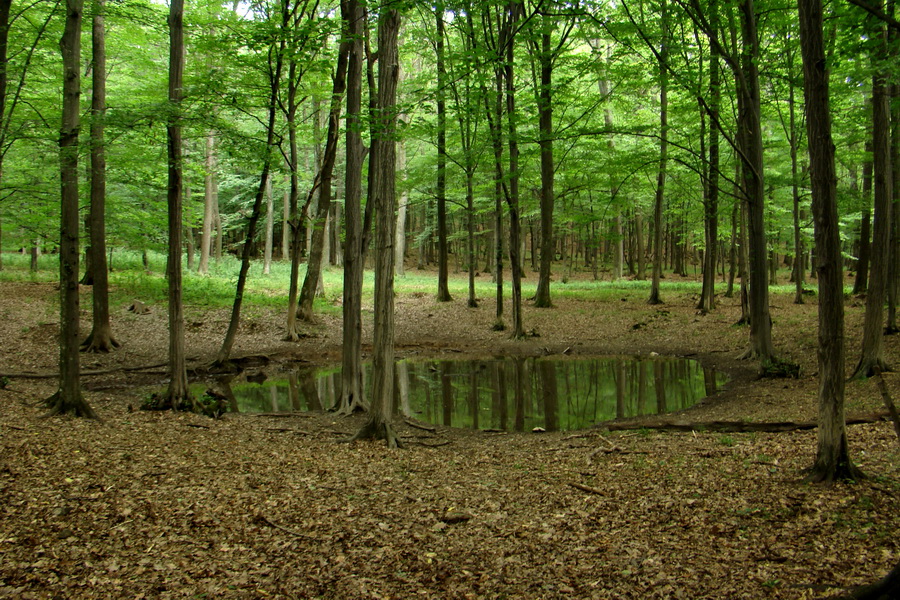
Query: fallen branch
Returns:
{"type": "Point", "coordinates": [586, 488]}
{"type": "Point", "coordinates": [734, 426]}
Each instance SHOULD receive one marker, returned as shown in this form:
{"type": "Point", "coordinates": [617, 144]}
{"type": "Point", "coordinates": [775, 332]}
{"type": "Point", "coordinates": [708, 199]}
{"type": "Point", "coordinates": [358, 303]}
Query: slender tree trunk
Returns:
{"type": "Point", "coordinates": [274, 84]}
{"type": "Point", "coordinates": [68, 398]}
{"type": "Point", "coordinates": [381, 413]}
{"type": "Point", "coordinates": [209, 200]}
{"type": "Point", "coordinates": [754, 185]}
{"type": "Point", "coordinates": [270, 227]}
{"type": "Point", "coordinates": [351, 352]}
{"type": "Point", "coordinates": [545, 126]}
{"type": "Point", "coordinates": [178, 394]}
{"type": "Point", "coordinates": [893, 274]}
{"type": "Point", "coordinates": [663, 160]}
{"type": "Point", "coordinates": [872, 355]}
{"type": "Point", "coordinates": [832, 457]}
{"type": "Point", "coordinates": [711, 204]}
{"type": "Point", "coordinates": [400, 243]}
{"type": "Point", "coordinates": [100, 338]}
{"type": "Point", "coordinates": [512, 199]}
{"type": "Point", "coordinates": [316, 250]}
{"type": "Point", "coordinates": [443, 293]}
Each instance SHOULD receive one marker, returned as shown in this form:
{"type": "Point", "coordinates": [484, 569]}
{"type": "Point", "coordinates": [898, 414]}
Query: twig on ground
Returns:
{"type": "Point", "coordinates": [586, 488]}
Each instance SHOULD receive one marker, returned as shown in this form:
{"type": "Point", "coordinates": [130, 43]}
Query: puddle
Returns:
{"type": "Point", "coordinates": [506, 394]}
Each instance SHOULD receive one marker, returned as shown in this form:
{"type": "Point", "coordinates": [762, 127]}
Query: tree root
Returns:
{"type": "Point", "coordinates": [869, 367]}
{"type": "Point", "coordinates": [378, 430]}
{"type": "Point", "coordinates": [100, 343]}
{"type": "Point", "coordinates": [58, 405]}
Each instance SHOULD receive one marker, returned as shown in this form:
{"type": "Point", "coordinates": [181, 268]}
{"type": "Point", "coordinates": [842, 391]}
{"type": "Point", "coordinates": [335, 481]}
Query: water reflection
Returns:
{"type": "Point", "coordinates": [505, 393]}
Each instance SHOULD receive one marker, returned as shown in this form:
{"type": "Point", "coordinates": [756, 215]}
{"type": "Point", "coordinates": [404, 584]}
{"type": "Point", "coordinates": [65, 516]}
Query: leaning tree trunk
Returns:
{"type": "Point", "coordinates": [352, 398]}
{"type": "Point", "coordinates": [100, 338]}
{"type": "Point", "coordinates": [316, 251]}
{"type": "Point", "coordinates": [833, 457]}
{"type": "Point", "coordinates": [68, 398]}
{"type": "Point", "coordinates": [381, 413]}
{"type": "Point", "coordinates": [872, 355]}
{"type": "Point", "coordinates": [274, 85]}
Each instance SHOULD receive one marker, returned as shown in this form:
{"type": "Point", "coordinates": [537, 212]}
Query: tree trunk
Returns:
{"type": "Point", "coordinates": [761, 346]}
{"type": "Point", "coordinates": [663, 160]}
{"type": "Point", "coordinates": [100, 338]}
{"type": "Point", "coordinates": [381, 413]}
{"type": "Point", "coordinates": [893, 274]}
{"type": "Point", "coordinates": [351, 351]}
{"type": "Point", "coordinates": [545, 126]}
{"type": "Point", "coordinates": [68, 398]}
{"type": "Point", "coordinates": [400, 243]}
{"type": "Point", "coordinates": [311, 281]}
{"type": "Point", "coordinates": [832, 457]}
{"type": "Point", "coordinates": [270, 227]}
{"type": "Point", "coordinates": [443, 293]}
{"type": "Point", "coordinates": [872, 355]}
{"type": "Point", "coordinates": [177, 396]}
{"type": "Point", "coordinates": [274, 85]}
{"type": "Point", "coordinates": [209, 200]}
{"type": "Point", "coordinates": [711, 205]}
{"type": "Point", "coordinates": [512, 199]}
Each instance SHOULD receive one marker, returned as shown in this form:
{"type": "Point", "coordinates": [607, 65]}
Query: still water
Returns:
{"type": "Point", "coordinates": [507, 394]}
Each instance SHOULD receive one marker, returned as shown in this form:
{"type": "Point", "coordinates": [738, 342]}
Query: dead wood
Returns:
{"type": "Point", "coordinates": [418, 425]}
{"type": "Point", "coordinates": [586, 488]}
{"type": "Point", "coordinates": [734, 426]}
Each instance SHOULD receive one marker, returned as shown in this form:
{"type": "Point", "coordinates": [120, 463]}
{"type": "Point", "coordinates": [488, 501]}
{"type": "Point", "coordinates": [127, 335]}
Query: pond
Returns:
{"type": "Point", "coordinates": [506, 394]}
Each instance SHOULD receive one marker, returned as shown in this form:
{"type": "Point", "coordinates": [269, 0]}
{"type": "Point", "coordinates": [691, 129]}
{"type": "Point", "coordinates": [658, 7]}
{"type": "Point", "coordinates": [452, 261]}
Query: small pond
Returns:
{"type": "Point", "coordinates": [506, 394]}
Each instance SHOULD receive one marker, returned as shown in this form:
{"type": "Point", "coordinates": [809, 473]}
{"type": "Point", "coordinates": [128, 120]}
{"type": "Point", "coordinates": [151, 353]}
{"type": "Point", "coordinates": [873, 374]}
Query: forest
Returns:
{"type": "Point", "coordinates": [613, 284]}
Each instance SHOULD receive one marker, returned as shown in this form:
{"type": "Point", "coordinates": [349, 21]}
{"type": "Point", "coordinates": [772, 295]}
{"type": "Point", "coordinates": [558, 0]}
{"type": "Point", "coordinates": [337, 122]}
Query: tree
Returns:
{"type": "Point", "coordinates": [872, 353]}
{"type": "Point", "coordinates": [662, 56]}
{"type": "Point", "coordinates": [100, 338]}
{"type": "Point", "coordinates": [178, 394]}
{"type": "Point", "coordinates": [324, 177]}
{"type": "Point", "coordinates": [507, 45]}
{"type": "Point", "coordinates": [68, 398]}
{"type": "Point", "coordinates": [379, 425]}
{"type": "Point", "coordinates": [832, 457]}
{"type": "Point", "coordinates": [351, 349]}
{"type": "Point", "coordinates": [443, 294]}
{"type": "Point", "coordinates": [276, 54]}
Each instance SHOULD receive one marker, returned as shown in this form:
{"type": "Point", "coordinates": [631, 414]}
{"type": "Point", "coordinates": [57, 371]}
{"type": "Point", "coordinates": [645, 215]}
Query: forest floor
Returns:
{"type": "Point", "coordinates": [175, 505]}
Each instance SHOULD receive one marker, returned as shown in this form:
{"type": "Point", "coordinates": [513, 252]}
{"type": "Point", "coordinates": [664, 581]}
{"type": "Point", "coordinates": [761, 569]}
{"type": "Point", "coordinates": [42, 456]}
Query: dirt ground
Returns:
{"type": "Point", "coordinates": [173, 505]}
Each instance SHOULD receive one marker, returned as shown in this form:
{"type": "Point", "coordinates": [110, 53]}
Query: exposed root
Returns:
{"type": "Point", "coordinates": [869, 367]}
{"type": "Point", "coordinates": [349, 405]}
{"type": "Point", "coordinates": [498, 325]}
{"type": "Point", "coordinates": [100, 343]}
{"type": "Point", "coordinates": [828, 474]}
{"type": "Point", "coordinates": [58, 405]}
{"type": "Point", "coordinates": [382, 430]}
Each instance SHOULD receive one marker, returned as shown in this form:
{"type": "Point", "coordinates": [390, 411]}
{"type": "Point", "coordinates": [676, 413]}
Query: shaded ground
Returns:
{"type": "Point", "coordinates": [176, 505]}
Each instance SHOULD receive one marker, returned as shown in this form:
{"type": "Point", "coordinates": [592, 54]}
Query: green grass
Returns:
{"type": "Point", "coordinates": [129, 280]}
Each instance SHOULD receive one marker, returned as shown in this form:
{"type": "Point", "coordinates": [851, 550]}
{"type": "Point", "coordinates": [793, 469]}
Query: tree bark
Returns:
{"type": "Point", "coordinates": [663, 160]}
{"type": "Point", "coordinates": [351, 351]}
{"type": "Point", "coordinates": [177, 394]}
{"type": "Point", "coordinates": [512, 198]}
{"type": "Point", "coordinates": [545, 127]}
{"type": "Point", "coordinates": [872, 354]}
{"type": "Point", "coordinates": [379, 424]}
{"type": "Point", "coordinates": [861, 283]}
{"type": "Point", "coordinates": [711, 204]}
{"type": "Point", "coordinates": [68, 399]}
{"type": "Point", "coordinates": [443, 293]}
{"type": "Point", "coordinates": [100, 339]}
{"type": "Point", "coordinates": [319, 229]}
{"type": "Point", "coordinates": [832, 457]}
{"type": "Point", "coordinates": [278, 47]}
{"type": "Point", "coordinates": [270, 227]}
